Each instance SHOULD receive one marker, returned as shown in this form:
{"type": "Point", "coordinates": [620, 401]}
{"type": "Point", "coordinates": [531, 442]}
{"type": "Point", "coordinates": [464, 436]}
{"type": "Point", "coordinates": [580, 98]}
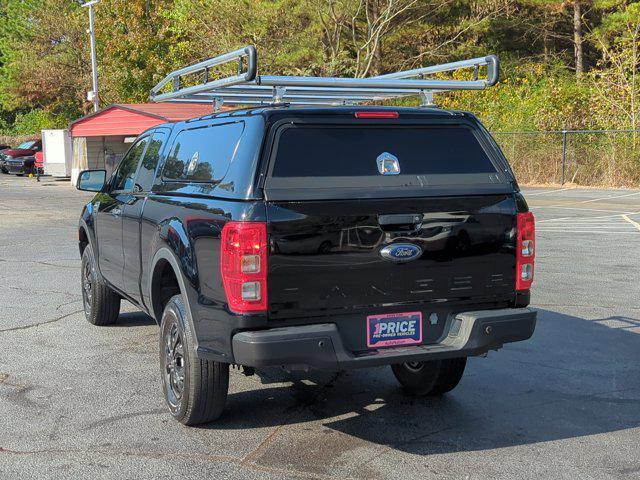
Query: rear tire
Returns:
{"type": "Point", "coordinates": [101, 304]}
{"type": "Point", "coordinates": [451, 372]}
{"type": "Point", "coordinates": [195, 389]}
{"type": "Point", "coordinates": [430, 378]}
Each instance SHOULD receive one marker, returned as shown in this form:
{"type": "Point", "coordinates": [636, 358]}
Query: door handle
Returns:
{"type": "Point", "coordinates": [116, 212]}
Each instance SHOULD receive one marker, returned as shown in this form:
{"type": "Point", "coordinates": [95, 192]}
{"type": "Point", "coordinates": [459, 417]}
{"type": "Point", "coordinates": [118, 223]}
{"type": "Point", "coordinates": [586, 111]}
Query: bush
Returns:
{"type": "Point", "coordinates": [32, 122]}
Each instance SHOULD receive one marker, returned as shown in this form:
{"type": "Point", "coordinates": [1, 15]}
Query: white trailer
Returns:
{"type": "Point", "coordinates": [58, 152]}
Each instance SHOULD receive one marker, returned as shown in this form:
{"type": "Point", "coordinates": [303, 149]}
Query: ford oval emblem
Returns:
{"type": "Point", "coordinates": [401, 252]}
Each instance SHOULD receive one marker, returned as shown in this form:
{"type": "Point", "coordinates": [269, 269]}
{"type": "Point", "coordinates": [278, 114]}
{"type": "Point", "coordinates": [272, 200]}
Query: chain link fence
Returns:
{"type": "Point", "coordinates": [608, 158]}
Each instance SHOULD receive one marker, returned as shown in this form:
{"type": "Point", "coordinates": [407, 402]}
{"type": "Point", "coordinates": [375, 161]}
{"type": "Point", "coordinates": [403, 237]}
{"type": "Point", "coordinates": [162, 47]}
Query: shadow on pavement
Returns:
{"type": "Point", "coordinates": [574, 378]}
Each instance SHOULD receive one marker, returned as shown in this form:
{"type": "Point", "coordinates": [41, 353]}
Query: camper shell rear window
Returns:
{"type": "Point", "coordinates": [382, 157]}
{"type": "Point", "coordinates": [333, 151]}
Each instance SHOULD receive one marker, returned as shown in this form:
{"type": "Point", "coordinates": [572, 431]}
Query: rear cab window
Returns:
{"type": "Point", "coordinates": [202, 154]}
{"type": "Point", "coordinates": [213, 157]}
{"type": "Point", "coordinates": [394, 159]}
{"type": "Point", "coordinates": [126, 170]}
{"type": "Point", "coordinates": [147, 167]}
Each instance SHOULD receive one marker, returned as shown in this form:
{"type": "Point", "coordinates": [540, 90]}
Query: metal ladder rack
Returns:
{"type": "Point", "coordinates": [246, 87]}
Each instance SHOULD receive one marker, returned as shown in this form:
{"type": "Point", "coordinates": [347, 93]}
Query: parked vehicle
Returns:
{"type": "Point", "coordinates": [2, 149]}
{"type": "Point", "coordinates": [216, 226]}
{"type": "Point", "coordinates": [21, 160]}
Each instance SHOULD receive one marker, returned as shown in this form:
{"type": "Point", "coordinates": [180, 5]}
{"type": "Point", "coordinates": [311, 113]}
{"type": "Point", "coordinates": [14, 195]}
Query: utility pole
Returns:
{"type": "Point", "coordinates": [578, 38]}
{"type": "Point", "coordinates": [92, 96]}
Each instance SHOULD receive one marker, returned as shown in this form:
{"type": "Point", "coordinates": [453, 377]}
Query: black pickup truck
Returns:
{"type": "Point", "coordinates": [326, 238]}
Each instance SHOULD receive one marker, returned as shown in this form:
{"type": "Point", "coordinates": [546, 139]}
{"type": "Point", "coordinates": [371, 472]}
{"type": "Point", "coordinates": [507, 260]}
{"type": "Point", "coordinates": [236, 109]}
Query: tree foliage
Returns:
{"type": "Point", "coordinates": [566, 63]}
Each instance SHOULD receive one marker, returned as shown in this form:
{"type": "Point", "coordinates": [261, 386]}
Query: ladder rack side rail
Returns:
{"type": "Point", "coordinates": [491, 61]}
{"type": "Point", "coordinates": [238, 98]}
{"type": "Point", "coordinates": [252, 68]}
{"type": "Point", "coordinates": [269, 102]}
{"type": "Point", "coordinates": [211, 87]}
{"type": "Point", "coordinates": [337, 82]}
{"type": "Point", "coordinates": [260, 89]}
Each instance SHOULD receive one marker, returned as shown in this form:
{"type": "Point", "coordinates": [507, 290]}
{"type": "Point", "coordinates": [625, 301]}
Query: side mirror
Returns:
{"type": "Point", "coordinates": [91, 180]}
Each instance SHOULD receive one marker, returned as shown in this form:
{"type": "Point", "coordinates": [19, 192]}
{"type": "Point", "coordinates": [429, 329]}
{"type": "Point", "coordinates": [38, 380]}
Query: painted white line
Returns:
{"type": "Point", "coordinates": [614, 212]}
{"type": "Point", "coordinates": [617, 226]}
{"type": "Point", "coordinates": [603, 223]}
{"type": "Point", "coordinates": [532, 194]}
{"type": "Point", "coordinates": [632, 222]}
{"type": "Point", "coordinates": [544, 220]}
{"type": "Point", "coordinates": [585, 220]}
{"type": "Point", "coordinates": [581, 221]}
{"type": "Point", "coordinates": [607, 198]}
{"type": "Point", "coordinates": [599, 199]}
{"type": "Point", "coordinates": [590, 232]}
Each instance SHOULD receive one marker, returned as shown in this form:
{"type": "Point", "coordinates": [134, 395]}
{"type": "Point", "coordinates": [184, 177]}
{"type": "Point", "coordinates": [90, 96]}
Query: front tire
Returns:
{"type": "Point", "coordinates": [101, 304]}
{"type": "Point", "coordinates": [430, 378]}
{"type": "Point", "coordinates": [195, 389]}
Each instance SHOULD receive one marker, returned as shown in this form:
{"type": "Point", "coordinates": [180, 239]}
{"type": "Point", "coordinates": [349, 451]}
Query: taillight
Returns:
{"type": "Point", "coordinates": [525, 250]}
{"type": "Point", "coordinates": [243, 263]}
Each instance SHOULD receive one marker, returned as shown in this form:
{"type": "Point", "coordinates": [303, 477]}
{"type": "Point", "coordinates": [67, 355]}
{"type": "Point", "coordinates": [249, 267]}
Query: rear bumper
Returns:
{"type": "Point", "coordinates": [320, 346]}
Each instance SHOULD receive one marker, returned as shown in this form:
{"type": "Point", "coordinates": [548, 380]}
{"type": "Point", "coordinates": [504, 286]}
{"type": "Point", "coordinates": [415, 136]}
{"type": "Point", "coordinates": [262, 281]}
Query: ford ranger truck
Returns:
{"type": "Point", "coordinates": [311, 238]}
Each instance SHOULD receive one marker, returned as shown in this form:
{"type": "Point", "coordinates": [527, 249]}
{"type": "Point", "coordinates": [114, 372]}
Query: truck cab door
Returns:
{"type": "Point", "coordinates": [132, 213]}
{"type": "Point", "coordinates": [109, 215]}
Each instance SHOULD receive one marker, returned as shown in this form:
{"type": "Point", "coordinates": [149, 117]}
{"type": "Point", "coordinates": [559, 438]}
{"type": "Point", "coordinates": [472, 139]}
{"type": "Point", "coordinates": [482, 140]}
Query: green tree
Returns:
{"type": "Point", "coordinates": [134, 45]}
{"type": "Point", "coordinates": [43, 56]}
{"type": "Point", "coordinates": [616, 78]}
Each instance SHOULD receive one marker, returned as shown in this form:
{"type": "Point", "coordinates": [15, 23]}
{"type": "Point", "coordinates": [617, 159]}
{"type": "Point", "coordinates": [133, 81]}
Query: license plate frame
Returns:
{"type": "Point", "coordinates": [394, 329]}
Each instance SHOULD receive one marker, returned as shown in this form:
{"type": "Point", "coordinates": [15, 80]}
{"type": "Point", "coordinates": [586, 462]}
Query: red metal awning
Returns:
{"type": "Point", "coordinates": [133, 119]}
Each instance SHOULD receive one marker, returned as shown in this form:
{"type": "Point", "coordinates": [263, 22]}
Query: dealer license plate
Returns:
{"type": "Point", "coordinates": [394, 329]}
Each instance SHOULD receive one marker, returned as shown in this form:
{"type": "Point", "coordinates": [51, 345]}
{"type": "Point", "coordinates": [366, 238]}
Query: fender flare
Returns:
{"type": "Point", "coordinates": [91, 241]}
{"type": "Point", "coordinates": [164, 253]}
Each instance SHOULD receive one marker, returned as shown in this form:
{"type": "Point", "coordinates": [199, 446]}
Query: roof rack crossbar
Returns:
{"type": "Point", "coordinates": [247, 88]}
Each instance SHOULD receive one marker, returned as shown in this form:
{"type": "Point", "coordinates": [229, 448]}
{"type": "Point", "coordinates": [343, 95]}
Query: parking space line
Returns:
{"type": "Point", "coordinates": [586, 230]}
{"type": "Point", "coordinates": [617, 227]}
{"type": "Point", "coordinates": [632, 222]}
{"type": "Point", "coordinates": [607, 220]}
{"type": "Point", "coordinates": [599, 199]}
{"type": "Point", "coordinates": [590, 232]}
{"type": "Point", "coordinates": [536, 207]}
{"type": "Point", "coordinates": [532, 194]}
{"type": "Point", "coordinates": [581, 219]}
{"type": "Point", "coordinates": [606, 198]}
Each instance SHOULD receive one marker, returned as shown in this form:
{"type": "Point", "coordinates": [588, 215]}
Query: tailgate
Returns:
{"type": "Point", "coordinates": [328, 257]}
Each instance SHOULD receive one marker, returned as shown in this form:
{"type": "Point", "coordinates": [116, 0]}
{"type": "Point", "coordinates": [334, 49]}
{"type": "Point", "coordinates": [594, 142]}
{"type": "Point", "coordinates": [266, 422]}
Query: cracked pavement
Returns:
{"type": "Point", "coordinates": [78, 401]}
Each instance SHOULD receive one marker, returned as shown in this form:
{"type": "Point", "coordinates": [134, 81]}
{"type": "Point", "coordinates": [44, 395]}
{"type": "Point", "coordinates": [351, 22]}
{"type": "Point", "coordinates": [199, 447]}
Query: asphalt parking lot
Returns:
{"type": "Point", "coordinates": [78, 401]}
